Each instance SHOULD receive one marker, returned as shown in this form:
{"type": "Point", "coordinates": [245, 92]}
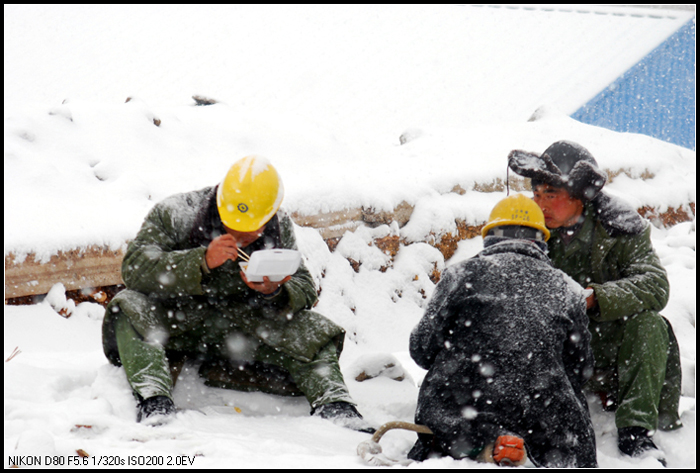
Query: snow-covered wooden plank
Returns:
{"type": "Point", "coordinates": [98, 267]}
{"type": "Point", "coordinates": [76, 269]}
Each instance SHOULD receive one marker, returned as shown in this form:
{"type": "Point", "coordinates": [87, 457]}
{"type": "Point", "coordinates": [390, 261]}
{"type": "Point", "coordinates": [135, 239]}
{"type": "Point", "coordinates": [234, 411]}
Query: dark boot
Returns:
{"type": "Point", "coordinates": [155, 410]}
{"type": "Point", "coordinates": [345, 415]}
{"type": "Point", "coordinates": [637, 442]}
{"type": "Point", "coordinates": [424, 447]}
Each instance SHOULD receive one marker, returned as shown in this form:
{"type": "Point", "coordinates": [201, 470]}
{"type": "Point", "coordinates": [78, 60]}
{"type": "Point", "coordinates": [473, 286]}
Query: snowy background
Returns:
{"type": "Point", "coordinates": [324, 93]}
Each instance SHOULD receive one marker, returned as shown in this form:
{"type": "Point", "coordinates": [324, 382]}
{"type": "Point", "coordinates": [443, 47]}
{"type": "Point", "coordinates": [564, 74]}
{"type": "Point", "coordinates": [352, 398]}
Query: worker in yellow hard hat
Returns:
{"type": "Point", "coordinates": [247, 199]}
{"type": "Point", "coordinates": [506, 344]}
{"type": "Point", "coordinates": [187, 300]}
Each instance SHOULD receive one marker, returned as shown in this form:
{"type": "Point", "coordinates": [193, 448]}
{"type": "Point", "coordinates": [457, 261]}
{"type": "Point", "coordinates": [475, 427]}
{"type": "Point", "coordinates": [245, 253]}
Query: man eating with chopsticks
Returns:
{"type": "Point", "coordinates": [187, 303]}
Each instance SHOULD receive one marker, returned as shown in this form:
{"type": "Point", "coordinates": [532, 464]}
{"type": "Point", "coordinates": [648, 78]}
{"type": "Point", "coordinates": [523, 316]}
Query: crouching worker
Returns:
{"type": "Point", "coordinates": [187, 298]}
{"type": "Point", "coordinates": [605, 246]}
{"type": "Point", "coordinates": [506, 344]}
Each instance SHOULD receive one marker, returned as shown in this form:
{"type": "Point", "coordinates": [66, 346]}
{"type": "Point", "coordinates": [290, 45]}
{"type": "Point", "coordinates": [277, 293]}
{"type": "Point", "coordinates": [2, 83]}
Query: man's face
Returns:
{"type": "Point", "coordinates": [244, 239]}
{"type": "Point", "coordinates": [559, 208]}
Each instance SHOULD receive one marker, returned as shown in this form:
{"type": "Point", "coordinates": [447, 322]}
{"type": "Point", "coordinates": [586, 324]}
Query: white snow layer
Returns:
{"type": "Point", "coordinates": [324, 93]}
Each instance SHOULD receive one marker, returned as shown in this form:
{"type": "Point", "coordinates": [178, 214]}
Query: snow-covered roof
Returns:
{"type": "Point", "coordinates": [655, 97]}
{"type": "Point", "coordinates": [381, 68]}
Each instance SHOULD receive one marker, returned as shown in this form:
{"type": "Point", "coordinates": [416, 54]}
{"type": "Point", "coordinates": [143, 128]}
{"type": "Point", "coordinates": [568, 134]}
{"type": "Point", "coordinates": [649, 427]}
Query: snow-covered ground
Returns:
{"type": "Point", "coordinates": [61, 381]}
{"type": "Point", "coordinates": [322, 94]}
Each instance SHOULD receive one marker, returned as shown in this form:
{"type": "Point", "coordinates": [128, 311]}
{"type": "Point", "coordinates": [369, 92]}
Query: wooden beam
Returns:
{"type": "Point", "coordinates": [76, 269]}
{"type": "Point", "coordinates": [99, 267]}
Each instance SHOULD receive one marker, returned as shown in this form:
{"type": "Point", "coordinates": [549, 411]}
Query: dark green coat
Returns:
{"type": "Point", "coordinates": [636, 354]}
{"type": "Point", "coordinates": [165, 263]}
{"type": "Point", "coordinates": [166, 257]}
{"type": "Point", "coordinates": [613, 255]}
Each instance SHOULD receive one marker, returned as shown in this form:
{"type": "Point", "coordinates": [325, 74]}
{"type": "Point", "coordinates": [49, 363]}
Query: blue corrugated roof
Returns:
{"type": "Point", "coordinates": [655, 97]}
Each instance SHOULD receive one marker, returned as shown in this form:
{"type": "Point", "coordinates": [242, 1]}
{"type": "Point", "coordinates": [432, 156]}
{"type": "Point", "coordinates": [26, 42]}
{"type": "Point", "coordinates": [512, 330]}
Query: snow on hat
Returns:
{"type": "Point", "coordinates": [564, 164]}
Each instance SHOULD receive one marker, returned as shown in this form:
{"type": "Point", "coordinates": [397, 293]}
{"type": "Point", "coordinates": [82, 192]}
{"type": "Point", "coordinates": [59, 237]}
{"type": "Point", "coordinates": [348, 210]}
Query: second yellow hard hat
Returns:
{"type": "Point", "coordinates": [516, 209]}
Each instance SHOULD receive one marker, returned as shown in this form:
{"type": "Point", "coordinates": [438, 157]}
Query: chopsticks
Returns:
{"type": "Point", "coordinates": [243, 255]}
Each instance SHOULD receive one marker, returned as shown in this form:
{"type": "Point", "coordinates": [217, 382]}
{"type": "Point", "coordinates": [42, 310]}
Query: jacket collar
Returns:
{"type": "Point", "coordinates": [592, 236]}
{"type": "Point", "coordinates": [496, 245]}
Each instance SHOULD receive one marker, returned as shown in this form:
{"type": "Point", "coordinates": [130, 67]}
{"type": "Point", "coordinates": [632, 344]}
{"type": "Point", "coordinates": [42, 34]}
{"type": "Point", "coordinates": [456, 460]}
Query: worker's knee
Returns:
{"type": "Point", "coordinates": [130, 309]}
{"type": "Point", "coordinates": [647, 325]}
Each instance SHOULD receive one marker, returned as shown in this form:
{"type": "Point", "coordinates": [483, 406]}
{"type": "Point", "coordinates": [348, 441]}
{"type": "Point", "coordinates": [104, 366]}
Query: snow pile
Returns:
{"type": "Point", "coordinates": [90, 172]}
{"type": "Point", "coordinates": [327, 93]}
{"type": "Point", "coordinates": [87, 171]}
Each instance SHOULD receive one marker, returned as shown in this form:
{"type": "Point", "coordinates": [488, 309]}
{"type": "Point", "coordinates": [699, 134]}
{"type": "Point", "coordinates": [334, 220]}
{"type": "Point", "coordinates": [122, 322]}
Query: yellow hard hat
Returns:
{"type": "Point", "coordinates": [516, 210]}
{"type": "Point", "coordinates": [250, 194]}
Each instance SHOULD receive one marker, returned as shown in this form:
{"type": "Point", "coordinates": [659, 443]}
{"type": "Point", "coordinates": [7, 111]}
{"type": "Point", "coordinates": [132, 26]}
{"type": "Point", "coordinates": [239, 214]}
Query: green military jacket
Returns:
{"type": "Point", "coordinates": [612, 253]}
{"type": "Point", "coordinates": [166, 258]}
{"type": "Point", "coordinates": [165, 262]}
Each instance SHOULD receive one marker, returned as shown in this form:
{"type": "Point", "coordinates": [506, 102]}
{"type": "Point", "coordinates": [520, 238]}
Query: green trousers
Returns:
{"type": "Point", "coordinates": [637, 360]}
{"type": "Point", "coordinates": [148, 338]}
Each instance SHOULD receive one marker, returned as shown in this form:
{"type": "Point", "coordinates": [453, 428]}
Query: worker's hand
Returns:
{"type": "Point", "coordinates": [591, 301]}
{"type": "Point", "coordinates": [266, 287]}
{"type": "Point", "coordinates": [221, 249]}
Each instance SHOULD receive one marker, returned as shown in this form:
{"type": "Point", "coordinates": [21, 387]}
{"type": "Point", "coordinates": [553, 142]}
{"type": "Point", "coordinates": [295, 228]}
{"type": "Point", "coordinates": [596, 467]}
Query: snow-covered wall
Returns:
{"type": "Point", "coordinates": [81, 174]}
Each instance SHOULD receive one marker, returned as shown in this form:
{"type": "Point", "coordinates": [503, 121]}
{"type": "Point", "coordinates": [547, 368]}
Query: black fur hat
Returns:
{"type": "Point", "coordinates": [564, 164]}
